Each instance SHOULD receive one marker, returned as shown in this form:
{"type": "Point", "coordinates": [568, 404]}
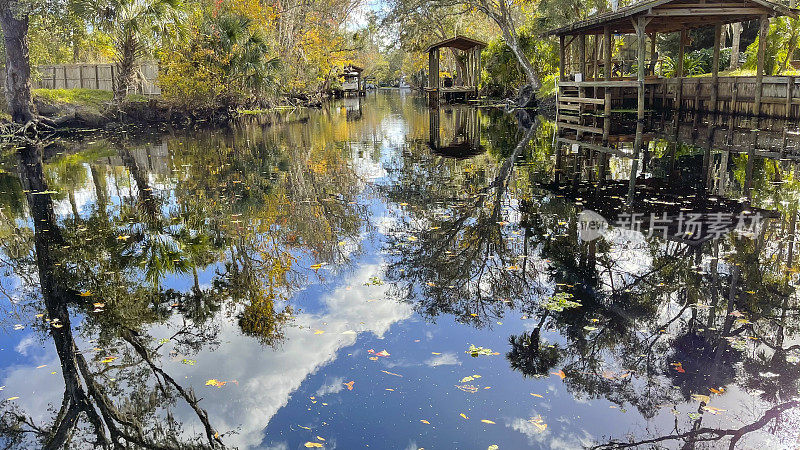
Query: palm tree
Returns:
{"type": "Point", "coordinates": [133, 25]}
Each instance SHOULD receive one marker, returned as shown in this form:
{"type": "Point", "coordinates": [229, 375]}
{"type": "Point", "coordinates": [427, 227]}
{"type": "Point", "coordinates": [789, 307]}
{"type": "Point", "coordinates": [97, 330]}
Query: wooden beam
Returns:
{"type": "Point", "coordinates": [762, 48]}
{"type": "Point", "coordinates": [715, 68]}
{"type": "Point", "coordinates": [561, 54]}
{"type": "Point", "coordinates": [608, 45]}
{"type": "Point", "coordinates": [694, 12]}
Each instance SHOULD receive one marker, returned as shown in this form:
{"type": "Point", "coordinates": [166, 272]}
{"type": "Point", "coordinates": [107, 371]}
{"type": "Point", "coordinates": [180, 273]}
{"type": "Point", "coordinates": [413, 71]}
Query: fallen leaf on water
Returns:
{"type": "Point", "coordinates": [467, 388]}
{"type": "Point", "coordinates": [679, 367]}
{"type": "Point", "coordinates": [43, 365]}
{"type": "Point", "coordinates": [19, 326]}
{"type": "Point", "coordinates": [392, 373]}
{"type": "Point", "coordinates": [487, 421]}
{"type": "Point", "coordinates": [12, 398]}
{"type": "Point", "coordinates": [536, 395]}
{"type": "Point", "coordinates": [349, 385]}
{"type": "Point", "coordinates": [321, 439]}
{"type": "Point", "coordinates": [313, 445]}
{"type": "Point", "coordinates": [713, 410]}
{"type": "Point", "coordinates": [701, 398]}
{"type": "Point", "coordinates": [538, 422]}
{"type": "Point", "coordinates": [464, 415]}
{"type": "Point", "coordinates": [435, 353]}
{"type": "Point", "coordinates": [477, 351]}
{"type": "Point", "coordinates": [318, 332]}
{"type": "Point", "coordinates": [425, 421]}
{"type": "Point", "coordinates": [108, 359]}
{"type": "Point", "coordinates": [717, 391]}
{"type": "Point", "coordinates": [470, 378]}
{"type": "Point", "coordinates": [493, 447]}
{"type": "Point", "coordinates": [216, 383]}
{"type": "Point", "coordinates": [305, 428]}
{"type": "Point", "coordinates": [383, 353]}
{"type": "Point", "coordinates": [560, 373]}
{"type": "Point", "coordinates": [188, 362]}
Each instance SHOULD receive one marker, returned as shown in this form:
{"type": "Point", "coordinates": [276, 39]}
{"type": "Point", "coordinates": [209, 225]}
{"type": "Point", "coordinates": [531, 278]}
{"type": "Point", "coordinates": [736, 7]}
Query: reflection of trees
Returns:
{"type": "Point", "coordinates": [245, 213]}
{"type": "Point", "coordinates": [110, 423]}
{"type": "Point", "coordinates": [658, 322]}
{"type": "Point", "coordinates": [460, 252]}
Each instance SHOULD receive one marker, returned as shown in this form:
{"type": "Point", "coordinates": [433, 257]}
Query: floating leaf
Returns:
{"type": "Point", "coordinates": [108, 359]}
{"type": "Point", "coordinates": [487, 421]}
{"type": "Point", "coordinates": [188, 362]}
{"type": "Point", "coordinates": [216, 383]}
{"type": "Point", "coordinates": [477, 351]}
{"type": "Point", "coordinates": [560, 302]}
{"type": "Point", "coordinates": [493, 447]}
{"type": "Point", "coordinates": [392, 373]}
{"type": "Point", "coordinates": [536, 395]}
{"type": "Point", "coordinates": [701, 398]}
{"type": "Point", "coordinates": [425, 421]}
{"type": "Point", "coordinates": [349, 385]}
{"type": "Point", "coordinates": [313, 445]}
{"type": "Point", "coordinates": [560, 373]}
{"type": "Point", "coordinates": [470, 378]}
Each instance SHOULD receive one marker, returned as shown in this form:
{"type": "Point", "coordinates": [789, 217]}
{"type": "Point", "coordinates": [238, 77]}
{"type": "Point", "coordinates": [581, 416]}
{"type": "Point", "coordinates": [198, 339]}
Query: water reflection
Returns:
{"type": "Point", "coordinates": [231, 287]}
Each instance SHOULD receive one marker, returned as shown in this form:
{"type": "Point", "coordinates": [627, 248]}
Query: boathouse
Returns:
{"type": "Point", "coordinates": [593, 85]}
{"type": "Point", "coordinates": [463, 87]}
{"type": "Point", "coordinates": [352, 82]}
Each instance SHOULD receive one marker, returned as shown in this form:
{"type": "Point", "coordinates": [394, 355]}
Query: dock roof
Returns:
{"type": "Point", "coordinates": [675, 15]}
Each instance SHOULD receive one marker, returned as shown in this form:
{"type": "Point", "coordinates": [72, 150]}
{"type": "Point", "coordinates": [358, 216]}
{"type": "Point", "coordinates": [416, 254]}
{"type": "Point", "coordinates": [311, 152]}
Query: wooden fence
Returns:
{"type": "Point", "coordinates": [94, 76]}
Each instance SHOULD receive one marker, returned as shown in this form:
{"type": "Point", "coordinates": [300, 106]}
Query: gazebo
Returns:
{"type": "Point", "coordinates": [592, 87]}
{"type": "Point", "coordinates": [352, 80]}
{"type": "Point", "coordinates": [468, 87]}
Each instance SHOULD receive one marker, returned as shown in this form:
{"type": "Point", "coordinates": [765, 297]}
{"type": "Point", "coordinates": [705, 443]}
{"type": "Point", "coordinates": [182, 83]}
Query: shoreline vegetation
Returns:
{"type": "Point", "coordinates": [221, 59]}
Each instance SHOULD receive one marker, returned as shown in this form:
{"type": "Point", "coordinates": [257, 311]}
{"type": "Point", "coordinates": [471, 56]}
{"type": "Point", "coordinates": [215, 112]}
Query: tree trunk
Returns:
{"type": "Point", "coordinates": [125, 66]}
{"type": "Point", "coordinates": [736, 34]}
{"type": "Point", "coordinates": [18, 67]}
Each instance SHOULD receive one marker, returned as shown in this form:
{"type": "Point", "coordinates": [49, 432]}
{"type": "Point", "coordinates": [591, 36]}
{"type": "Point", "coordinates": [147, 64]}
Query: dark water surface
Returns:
{"type": "Point", "coordinates": [346, 279]}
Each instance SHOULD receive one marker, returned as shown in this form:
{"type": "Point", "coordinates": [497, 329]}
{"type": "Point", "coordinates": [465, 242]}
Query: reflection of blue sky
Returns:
{"type": "Point", "coordinates": [271, 398]}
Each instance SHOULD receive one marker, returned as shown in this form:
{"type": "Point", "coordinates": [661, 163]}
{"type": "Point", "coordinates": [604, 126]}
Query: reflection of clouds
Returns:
{"type": "Point", "coordinates": [25, 344]}
{"type": "Point", "coordinates": [266, 377]}
{"type": "Point", "coordinates": [547, 439]}
{"type": "Point", "coordinates": [445, 359]}
{"type": "Point", "coordinates": [331, 387]}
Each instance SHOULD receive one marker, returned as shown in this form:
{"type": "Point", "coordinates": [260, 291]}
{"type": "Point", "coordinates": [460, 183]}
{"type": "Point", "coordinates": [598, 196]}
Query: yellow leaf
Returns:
{"type": "Point", "coordinates": [216, 383]}
{"type": "Point", "coordinates": [536, 395]}
{"type": "Point", "coordinates": [487, 421]}
{"type": "Point", "coordinates": [425, 421]}
{"type": "Point", "coordinates": [464, 415]}
{"type": "Point", "coordinates": [313, 445]}
{"type": "Point", "coordinates": [701, 398]}
{"type": "Point", "coordinates": [318, 332]}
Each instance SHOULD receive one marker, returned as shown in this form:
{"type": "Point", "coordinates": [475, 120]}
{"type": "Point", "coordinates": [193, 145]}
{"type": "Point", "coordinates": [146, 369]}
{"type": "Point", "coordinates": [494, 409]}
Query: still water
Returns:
{"type": "Point", "coordinates": [377, 275]}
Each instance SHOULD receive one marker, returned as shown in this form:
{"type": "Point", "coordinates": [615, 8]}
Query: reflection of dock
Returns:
{"type": "Point", "coordinates": [455, 131]}
{"type": "Point", "coordinates": [761, 137]}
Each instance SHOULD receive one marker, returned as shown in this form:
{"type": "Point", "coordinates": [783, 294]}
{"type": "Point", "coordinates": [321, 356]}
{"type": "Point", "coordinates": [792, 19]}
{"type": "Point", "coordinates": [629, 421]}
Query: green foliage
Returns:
{"type": "Point", "coordinates": [501, 71]}
{"type": "Point", "coordinates": [782, 40]}
{"type": "Point", "coordinates": [560, 302]}
{"type": "Point", "coordinates": [225, 61]}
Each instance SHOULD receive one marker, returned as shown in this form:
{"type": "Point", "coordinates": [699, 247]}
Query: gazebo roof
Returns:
{"type": "Point", "coordinates": [352, 68]}
{"type": "Point", "coordinates": [675, 15]}
{"type": "Point", "coordinates": [459, 42]}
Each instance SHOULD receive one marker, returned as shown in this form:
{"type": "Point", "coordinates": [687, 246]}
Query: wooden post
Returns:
{"type": "Point", "coordinates": [789, 95]}
{"type": "Point", "coordinates": [653, 62]}
{"type": "Point", "coordinates": [762, 48]}
{"type": "Point", "coordinates": [639, 25]}
{"type": "Point", "coordinates": [582, 70]}
{"type": "Point", "coordinates": [715, 68]}
{"type": "Point", "coordinates": [561, 62]}
{"type": "Point", "coordinates": [97, 76]}
{"type": "Point", "coordinates": [608, 45]}
{"type": "Point", "coordinates": [681, 54]}
{"type": "Point", "coordinates": [679, 71]}
{"type": "Point", "coordinates": [433, 75]}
